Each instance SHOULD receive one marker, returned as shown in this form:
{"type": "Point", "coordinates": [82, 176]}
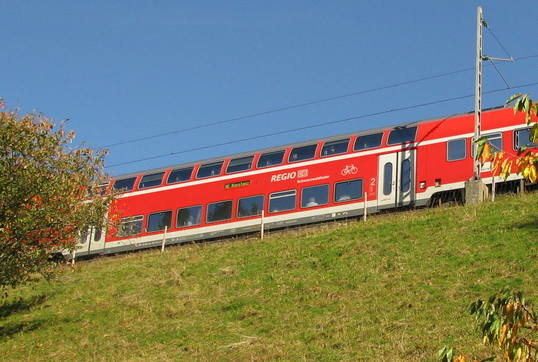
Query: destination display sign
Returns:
{"type": "Point", "coordinates": [237, 184]}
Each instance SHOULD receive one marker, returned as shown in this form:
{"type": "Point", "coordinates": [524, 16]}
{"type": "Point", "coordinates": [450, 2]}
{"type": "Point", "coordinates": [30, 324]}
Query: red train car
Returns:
{"type": "Point", "coordinates": [325, 179]}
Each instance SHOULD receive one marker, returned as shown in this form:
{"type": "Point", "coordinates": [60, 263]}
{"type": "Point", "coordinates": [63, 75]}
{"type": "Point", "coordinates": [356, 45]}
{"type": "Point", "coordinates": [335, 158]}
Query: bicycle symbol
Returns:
{"type": "Point", "coordinates": [350, 170]}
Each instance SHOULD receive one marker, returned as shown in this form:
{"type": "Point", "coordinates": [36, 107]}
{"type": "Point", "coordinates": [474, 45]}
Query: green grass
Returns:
{"type": "Point", "coordinates": [394, 288]}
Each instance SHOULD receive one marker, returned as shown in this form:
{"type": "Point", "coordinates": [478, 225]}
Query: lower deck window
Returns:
{"type": "Point", "coordinates": [282, 201]}
{"type": "Point", "coordinates": [348, 190]}
{"type": "Point", "coordinates": [97, 234]}
{"type": "Point", "coordinates": [250, 206]}
{"type": "Point", "coordinates": [130, 226]}
{"type": "Point", "coordinates": [189, 216]}
{"type": "Point", "coordinates": [219, 211]}
{"type": "Point", "coordinates": [315, 196]}
{"type": "Point", "coordinates": [159, 220]}
{"type": "Point", "coordinates": [522, 138]}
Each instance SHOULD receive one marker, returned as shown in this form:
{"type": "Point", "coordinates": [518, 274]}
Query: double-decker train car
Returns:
{"type": "Point", "coordinates": [325, 179]}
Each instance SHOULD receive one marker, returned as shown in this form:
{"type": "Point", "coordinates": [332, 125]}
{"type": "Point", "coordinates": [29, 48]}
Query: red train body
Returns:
{"type": "Point", "coordinates": [301, 183]}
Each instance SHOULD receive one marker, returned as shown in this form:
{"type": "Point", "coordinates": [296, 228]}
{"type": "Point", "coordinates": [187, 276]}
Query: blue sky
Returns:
{"type": "Point", "coordinates": [121, 70]}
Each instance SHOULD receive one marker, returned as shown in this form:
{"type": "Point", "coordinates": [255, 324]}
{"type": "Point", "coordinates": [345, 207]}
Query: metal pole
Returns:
{"type": "Point", "coordinates": [262, 225]}
{"type": "Point", "coordinates": [478, 87]}
{"type": "Point", "coordinates": [164, 238]}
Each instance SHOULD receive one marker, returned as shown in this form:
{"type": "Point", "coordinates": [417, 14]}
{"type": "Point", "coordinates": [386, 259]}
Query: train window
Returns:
{"type": "Point", "coordinates": [405, 175]}
{"type": "Point", "coordinates": [189, 216]}
{"type": "Point", "coordinates": [250, 206]}
{"type": "Point", "coordinates": [151, 180]}
{"type": "Point", "coordinates": [130, 226]}
{"type": "Point", "coordinates": [522, 138]}
{"type": "Point", "coordinates": [387, 179]}
{"type": "Point", "coordinates": [402, 135]}
{"type": "Point", "coordinates": [368, 141]}
{"type": "Point", "coordinates": [348, 190]}
{"type": "Point", "coordinates": [315, 196]}
{"type": "Point", "coordinates": [456, 150]}
{"type": "Point", "coordinates": [179, 175]}
{"type": "Point", "coordinates": [125, 184]}
{"type": "Point", "coordinates": [209, 169]}
{"type": "Point", "coordinates": [97, 190]}
{"type": "Point", "coordinates": [239, 164]}
{"type": "Point", "coordinates": [282, 201]}
{"type": "Point", "coordinates": [271, 159]}
{"type": "Point", "coordinates": [159, 220]}
{"type": "Point", "coordinates": [97, 234]}
{"type": "Point", "coordinates": [495, 140]}
{"type": "Point", "coordinates": [219, 211]}
{"type": "Point", "coordinates": [334, 147]}
{"type": "Point", "coordinates": [302, 153]}
{"type": "Point", "coordinates": [83, 237]}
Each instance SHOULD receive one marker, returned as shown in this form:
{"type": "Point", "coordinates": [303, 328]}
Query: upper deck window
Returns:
{"type": "Point", "coordinates": [125, 184]}
{"type": "Point", "coordinates": [271, 159]}
{"type": "Point", "coordinates": [402, 135]}
{"type": "Point", "coordinates": [495, 140]}
{"type": "Point", "coordinates": [368, 141]}
{"type": "Point", "coordinates": [239, 164]}
{"type": "Point", "coordinates": [209, 169]}
{"type": "Point", "coordinates": [456, 149]}
{"type": "Point", "coordinates": [151, 180]}
{"type": "Point", "coordinates": [334, 147]}
{"type": "Point", "coordinates": [179, 175]}
{"type": "Point", "coordinates": [302, 153]}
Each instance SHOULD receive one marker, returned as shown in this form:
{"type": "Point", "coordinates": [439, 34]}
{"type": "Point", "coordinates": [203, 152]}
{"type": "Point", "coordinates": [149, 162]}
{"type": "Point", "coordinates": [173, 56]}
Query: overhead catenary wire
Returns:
{"type": "Point", "coordinates": [286, 108]}
{"type": "Point", "coordinates": [295, 106]}
{"type": "Point", "coordinates": [500, 74]}
{"type": "Point", "coordinates": [342, 120]}
{"type": "Point", "coordinates": [498, 42]}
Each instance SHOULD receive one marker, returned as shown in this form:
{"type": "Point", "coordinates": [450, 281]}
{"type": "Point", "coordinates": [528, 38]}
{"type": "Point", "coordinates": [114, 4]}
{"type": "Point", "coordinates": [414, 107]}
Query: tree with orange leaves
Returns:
{"type": "Point", "coordinates": [44, 203]}
{"type": "Point", "coordinates": [524, 162]}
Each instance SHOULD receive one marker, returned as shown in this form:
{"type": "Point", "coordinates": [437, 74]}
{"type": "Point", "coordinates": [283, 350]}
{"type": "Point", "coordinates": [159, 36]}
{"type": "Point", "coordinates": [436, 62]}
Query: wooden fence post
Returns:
{"type": "Point", "coordinates": [164, 238]}
{"type": "Point", "coordinates": [262, 226]}
{"type": "Point", "coordinates": [365, 206]}
{"type": "Point", "coordinates": [493, 189]}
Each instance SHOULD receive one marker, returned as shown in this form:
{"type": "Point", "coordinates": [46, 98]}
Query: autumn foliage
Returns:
{"type": "Point", "coordinates": [524, 162]}
{"type": "Point", "coordinates": [44, 203]}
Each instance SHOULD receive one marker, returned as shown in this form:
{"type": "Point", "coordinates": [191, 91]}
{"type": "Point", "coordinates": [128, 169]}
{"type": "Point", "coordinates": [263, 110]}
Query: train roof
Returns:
{"type": "Point", "coordinates": [296, 144]}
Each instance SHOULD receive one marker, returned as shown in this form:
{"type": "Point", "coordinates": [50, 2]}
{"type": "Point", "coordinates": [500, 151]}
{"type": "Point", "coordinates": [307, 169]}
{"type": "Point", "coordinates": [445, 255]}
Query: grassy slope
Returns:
{"type": "Point", "coordinates": [394, 288]}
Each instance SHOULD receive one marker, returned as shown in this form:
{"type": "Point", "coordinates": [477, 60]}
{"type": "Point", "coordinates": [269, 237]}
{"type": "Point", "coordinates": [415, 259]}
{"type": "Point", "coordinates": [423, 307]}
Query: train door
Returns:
{"type": "Point", "coordinates": [97, 241]}
{"type": "Point", "coordinates": [396, 185]}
